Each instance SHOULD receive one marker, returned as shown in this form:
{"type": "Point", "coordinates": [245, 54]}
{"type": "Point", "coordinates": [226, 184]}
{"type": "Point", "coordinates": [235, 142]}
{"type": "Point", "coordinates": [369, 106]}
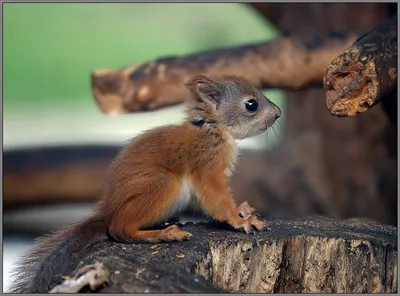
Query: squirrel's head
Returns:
{"type": "Point", "coordinates": [234, 103]}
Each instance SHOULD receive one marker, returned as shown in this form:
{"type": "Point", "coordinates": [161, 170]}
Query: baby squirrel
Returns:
{"type": "Point", "coordinates": [159, 173]}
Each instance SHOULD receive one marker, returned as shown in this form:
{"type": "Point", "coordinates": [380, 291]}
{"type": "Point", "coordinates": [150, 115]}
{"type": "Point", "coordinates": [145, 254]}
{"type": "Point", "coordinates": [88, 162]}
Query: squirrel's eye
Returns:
{"type": "Point", "coordinates": [251, 105]}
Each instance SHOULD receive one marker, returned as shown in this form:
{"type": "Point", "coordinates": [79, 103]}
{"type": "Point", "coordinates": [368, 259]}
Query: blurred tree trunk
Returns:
{"type": "Point", "coordinates": [340, 167]}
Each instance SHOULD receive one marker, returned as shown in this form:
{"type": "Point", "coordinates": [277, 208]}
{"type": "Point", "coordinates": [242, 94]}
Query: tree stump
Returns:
{"type": "Point", "coordinates": [313, 255]}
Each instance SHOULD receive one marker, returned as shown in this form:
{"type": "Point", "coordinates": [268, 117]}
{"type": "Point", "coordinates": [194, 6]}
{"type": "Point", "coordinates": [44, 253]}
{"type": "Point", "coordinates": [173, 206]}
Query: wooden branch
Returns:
{"type": "Point", "coordinates": [51, 175]}
{"type": "Point", "coordinates": [364, 74]}
{"type": "Point", "coordinates": [94, 276]}
{"type": "Point", "coordinates": [314, 255]}
{"type": "Point", "coordinates": [285, 62]}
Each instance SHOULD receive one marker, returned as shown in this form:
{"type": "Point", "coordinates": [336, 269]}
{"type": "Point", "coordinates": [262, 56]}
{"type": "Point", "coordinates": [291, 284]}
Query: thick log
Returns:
{"type": "Point", "coordinates": [364, 74]}
{"type": "Point", "coordinates": [341, 167]}
{"type": "Point", "coordinates": [286, 62]}
{"type": "Point", "coordinates": [314, 255]}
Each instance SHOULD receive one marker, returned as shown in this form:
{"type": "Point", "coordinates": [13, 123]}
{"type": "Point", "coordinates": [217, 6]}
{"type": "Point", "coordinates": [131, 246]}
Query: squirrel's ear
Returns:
{"type": "Point", "coordinates": [205, 88]}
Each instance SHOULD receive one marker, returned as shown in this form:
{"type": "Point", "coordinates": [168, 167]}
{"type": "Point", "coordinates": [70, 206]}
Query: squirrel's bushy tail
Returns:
{"type": "Point", "coordinates": [35, 271]}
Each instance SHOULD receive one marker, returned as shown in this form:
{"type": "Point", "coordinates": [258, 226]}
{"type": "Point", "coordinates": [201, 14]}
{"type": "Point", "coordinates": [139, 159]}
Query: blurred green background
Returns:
{"type": "Point", "coordinates": [50, 50]}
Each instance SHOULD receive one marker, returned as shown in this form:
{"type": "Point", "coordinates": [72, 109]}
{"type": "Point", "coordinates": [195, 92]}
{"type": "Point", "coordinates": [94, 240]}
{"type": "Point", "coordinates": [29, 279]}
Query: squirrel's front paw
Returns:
{"type": "Point", "coordinates": [251, 222]}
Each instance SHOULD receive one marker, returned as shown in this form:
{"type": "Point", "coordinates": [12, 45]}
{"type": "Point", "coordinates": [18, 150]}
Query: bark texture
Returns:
{"type": "Point", "coordinates": [314, 255]}
{"type": "Point", "coordinates": [286, 62]}
{"type": "Point", "coordinates": [364, 74]}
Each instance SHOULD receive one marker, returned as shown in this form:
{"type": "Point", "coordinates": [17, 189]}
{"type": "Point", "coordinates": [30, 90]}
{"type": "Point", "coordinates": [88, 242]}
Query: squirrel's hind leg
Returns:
{"type": "Point", "coordinates": [146, 209]}
{"type": "Point", "coordinates": [169, 234]}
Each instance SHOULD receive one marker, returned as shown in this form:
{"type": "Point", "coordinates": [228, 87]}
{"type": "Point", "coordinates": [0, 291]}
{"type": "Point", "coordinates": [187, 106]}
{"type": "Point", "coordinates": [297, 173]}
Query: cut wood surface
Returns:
{"type": "Point", "coordinates": [316, 254]}
{"type": "Point", "coordinates": [285, 62]}
{"type": "Point", "coordinates": [364, 74]}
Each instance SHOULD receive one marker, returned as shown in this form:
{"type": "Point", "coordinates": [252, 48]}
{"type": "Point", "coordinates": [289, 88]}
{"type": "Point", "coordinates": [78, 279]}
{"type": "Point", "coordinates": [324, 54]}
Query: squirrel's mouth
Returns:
{"type": "Point", "coordinates": [268, 123]}
{"type": "Point", "coordinates": [262, 129]}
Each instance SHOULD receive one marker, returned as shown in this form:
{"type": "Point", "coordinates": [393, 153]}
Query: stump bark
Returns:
{"type": "Point", "coordinates": [314, 255]}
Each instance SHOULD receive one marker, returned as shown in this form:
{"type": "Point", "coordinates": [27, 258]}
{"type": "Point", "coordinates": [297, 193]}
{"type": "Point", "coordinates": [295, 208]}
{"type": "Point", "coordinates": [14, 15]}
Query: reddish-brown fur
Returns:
{"type": "Point", "coordinates": [158, 173]}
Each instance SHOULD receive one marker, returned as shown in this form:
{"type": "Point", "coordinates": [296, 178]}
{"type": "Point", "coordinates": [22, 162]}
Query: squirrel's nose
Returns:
{"type": "Point", "coordinates": [277, 112]}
